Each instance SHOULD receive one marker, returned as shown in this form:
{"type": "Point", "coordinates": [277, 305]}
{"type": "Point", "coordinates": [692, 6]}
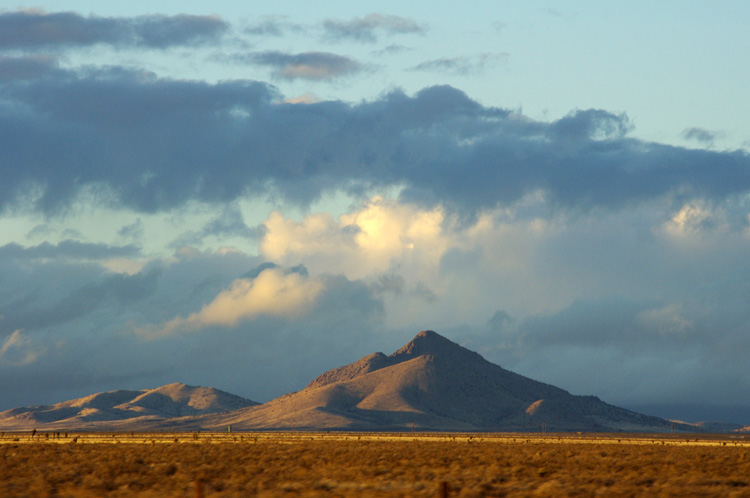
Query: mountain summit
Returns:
{"type": "Point", "coordinates": [429, 342]}
{"type": "Point", "coordinates": [426, 342]}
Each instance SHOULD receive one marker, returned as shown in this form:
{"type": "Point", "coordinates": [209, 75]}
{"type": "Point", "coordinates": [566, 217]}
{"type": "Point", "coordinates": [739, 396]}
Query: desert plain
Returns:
{"type": "Point", "coordinates": [302, 464]}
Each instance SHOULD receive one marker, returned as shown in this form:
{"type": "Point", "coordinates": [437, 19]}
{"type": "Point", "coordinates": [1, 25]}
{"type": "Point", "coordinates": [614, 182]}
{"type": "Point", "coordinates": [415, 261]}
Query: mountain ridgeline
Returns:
{"type": "Point", "coordinates": [430, 384]}
{"type": "Point", "coordinates": [125, 410]}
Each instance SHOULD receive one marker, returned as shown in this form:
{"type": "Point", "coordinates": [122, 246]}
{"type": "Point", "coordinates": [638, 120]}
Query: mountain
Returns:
{"type": "Point", "coordinates": [120, 410]}
{"type": "Point", "coordinates": [430, 384]}
{"type": "Point", "coordinates": [433, 384]}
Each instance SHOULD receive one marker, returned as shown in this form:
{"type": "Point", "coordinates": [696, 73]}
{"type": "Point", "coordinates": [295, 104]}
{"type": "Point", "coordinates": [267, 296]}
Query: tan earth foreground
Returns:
{"type": "Point", "coordinates": [340, 464]}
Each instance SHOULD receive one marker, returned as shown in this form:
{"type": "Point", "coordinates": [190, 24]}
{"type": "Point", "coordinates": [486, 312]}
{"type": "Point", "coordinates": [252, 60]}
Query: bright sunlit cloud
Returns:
{"type": "Point", "coordinates": [379, 236]}
{"type": "Point", "coordinates": [271, 293]}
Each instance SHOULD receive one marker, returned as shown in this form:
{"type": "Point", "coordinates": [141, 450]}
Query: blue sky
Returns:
{"type": "Point", "coordinates": [248, 194]}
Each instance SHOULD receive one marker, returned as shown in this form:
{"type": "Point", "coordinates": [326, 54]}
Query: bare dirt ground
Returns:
{"type": "Point", "coordinates": [369, 465]}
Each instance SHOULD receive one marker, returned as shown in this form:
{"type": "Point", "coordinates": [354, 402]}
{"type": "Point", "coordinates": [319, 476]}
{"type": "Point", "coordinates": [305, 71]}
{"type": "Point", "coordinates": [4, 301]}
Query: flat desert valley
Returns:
{"type": "Point", "coordinates": [310, 464]}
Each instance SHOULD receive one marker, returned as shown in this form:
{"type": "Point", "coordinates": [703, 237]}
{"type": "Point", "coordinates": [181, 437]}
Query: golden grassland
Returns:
{"type": "Point", "coordinates": [300, 464]}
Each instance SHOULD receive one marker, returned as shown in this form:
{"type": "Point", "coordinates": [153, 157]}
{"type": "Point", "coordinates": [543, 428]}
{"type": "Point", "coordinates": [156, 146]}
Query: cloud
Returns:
{"type": "Point", "coordinates": [27, 67]}
{"type": "Point", "coordinates": [392, 283]}
{"type": "Point", "coordinates": [700, 135]}
{"type": "Point", "coordinates": [33, 29]}
{"type": "Point", "coordinates": [164, 31]}
{"type": "Point", "coordinates": [305, 98]}
{"type": "Point", "coordinates": [145, 130]}
{"type": "Point", "coordinates": [273, 26]}
{"type": "Point", "coordinates": [667, 319]}
{"type": "Point", "coordinates": [695, 217]}
{"type": "Point", "coordinates": [591, 124]}
{"type": "Point", "coordinates": [423, 261]}
{"type": "Point", "coordinates": [68, 249]}
{"type": "Point", "coordinates": [379, 236]}
{"type": "Point", "coordinates": [229, 223]}
{"type": "Point", "coordinates": [461, 66]}
{"type": "Point", "coordinates": [17, 350]}
{"type": "Point", "coordinates": [36, 307]}
{"type": "Point", "coordinates": [658, 316]}
{"type": "Point", "coordinates": [155, 137]}
{"type": "Point", "coordinates": [365, 29]}
{"type": "Point", "coordinates": [79, 318]}
{"type": "Point", "coordinates": [427, 263]}
{"type": "Point", "coordinates": [641, 350]}
{"type": "Point", "coordinates": [425, 143]}
{"type": "Point", "coordinates": [391, 49]}
{"type": "Point", "coordinates": [30, 29]}
{"type": "Point", "coordinates": [315, 66]}
{"type": "Point", "coordinates": [271, 293]}
{"type": "Point", "coordinates": [133, 231]}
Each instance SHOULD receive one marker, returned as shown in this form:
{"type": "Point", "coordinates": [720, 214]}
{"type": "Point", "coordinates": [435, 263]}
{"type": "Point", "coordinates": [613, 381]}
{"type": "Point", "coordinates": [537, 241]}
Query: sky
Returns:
{"type": "Point", "coordinates": [244, 195]}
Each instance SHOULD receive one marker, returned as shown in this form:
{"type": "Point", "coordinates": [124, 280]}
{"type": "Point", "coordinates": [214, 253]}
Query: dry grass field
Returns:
{"type": "Point", "coordinates": [369, 465]}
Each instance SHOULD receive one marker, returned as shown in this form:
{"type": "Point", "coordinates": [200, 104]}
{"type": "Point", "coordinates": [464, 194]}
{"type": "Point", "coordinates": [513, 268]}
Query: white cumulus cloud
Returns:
{"type": "Point", "coordinates": [272, 293]}
{"type": "Point", "coordinates": [380, 235]}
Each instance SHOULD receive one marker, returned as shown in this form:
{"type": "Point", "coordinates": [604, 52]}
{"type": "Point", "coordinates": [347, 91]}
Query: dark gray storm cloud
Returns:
{"type": "Point", "coordinates": [152, 144]}
{"type": "Point", "coordinates": [307, 65]}
{"type": "Point", "coordinates": [367, 28]}
{"type": "Point", "coordinates": [41, 30]}
{"type": "Point", "coordinates": [130, 133]}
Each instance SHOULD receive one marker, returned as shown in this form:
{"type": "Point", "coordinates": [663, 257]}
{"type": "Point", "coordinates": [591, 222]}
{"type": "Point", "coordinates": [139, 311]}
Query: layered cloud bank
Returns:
{"type": "Point", "coordinates": [151, 144]}
{"type": "Point", "coordinates": [165, 228]}
{"type": "Point", "coordinates": [146, 143]}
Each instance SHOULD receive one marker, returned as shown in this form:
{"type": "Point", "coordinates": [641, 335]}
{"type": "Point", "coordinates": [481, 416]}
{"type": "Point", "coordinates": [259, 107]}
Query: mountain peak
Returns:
{"type": "Point", "coordinates": [429, 342]}
{"type": "Point", "coordinates": [429, 335]}
{"type": "Point", "coordinates": [435, 384]}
